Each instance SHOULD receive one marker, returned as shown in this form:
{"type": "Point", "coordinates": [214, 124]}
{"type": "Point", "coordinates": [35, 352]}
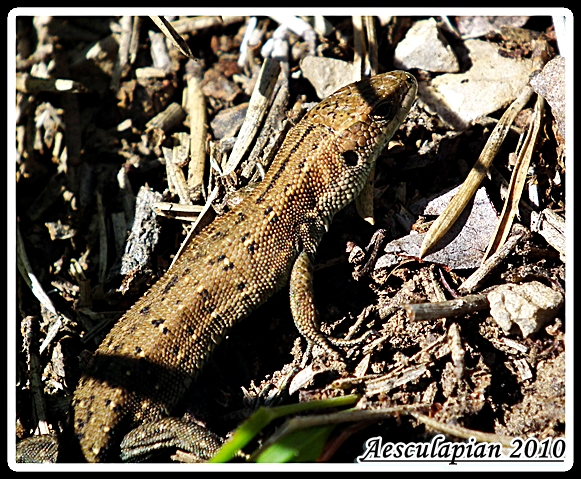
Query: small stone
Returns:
{"type": "Point", "coordinates": [529, 306]}
{"type": "Point", "coordinates": [492, 83]}
{"type": "Point", "coordinates": [327, 75]}
{"type": "Point", "coordinates": [411, 52]}
{"type": "Point", "coordinates": [550, 84]}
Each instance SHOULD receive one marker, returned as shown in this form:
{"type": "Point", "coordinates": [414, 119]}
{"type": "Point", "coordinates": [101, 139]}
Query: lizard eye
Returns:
{"type": "Point", "coordinates": [383, 109]}
{"type": "Point", "coordinates": [350, 157]}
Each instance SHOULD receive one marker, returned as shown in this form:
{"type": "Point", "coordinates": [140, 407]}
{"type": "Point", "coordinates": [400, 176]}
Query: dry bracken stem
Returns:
{"type": "Point", "coordinates": [124, 42]}
{"type": "Point", "coordinates": [256, 110]}
{"type": "Point", "coordinates": [271, 134]}
{"type": "Point", "coordinates": [193, 24]}
{"type": "Point", "coordinates": [193, 230]}
{"type": "Point", "coordinates": [176, 177]}
{"type": "Point", "coordinates": [196, 107]}
{"type": "Point", "coordinates": [177, 211]}
{"type": "Point", "coordinates": [359, 53]}
{"type": "Point", "coordinates": [102, 239]}
{"type": "Point", "coordinates": [371, 45]}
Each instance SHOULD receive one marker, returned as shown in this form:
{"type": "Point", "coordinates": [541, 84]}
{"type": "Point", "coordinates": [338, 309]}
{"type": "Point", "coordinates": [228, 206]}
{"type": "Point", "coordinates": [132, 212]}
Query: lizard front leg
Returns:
{"type": "Point", "coordinates": [304, 311]}
{"type": "Point", "coordinates": [302, 303]}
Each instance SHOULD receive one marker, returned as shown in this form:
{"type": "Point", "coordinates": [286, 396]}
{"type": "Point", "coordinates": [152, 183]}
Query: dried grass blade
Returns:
{"type": "Point", "coordinates": [443, 223]}
{"type": "Point", "coordinates": [517, 182]}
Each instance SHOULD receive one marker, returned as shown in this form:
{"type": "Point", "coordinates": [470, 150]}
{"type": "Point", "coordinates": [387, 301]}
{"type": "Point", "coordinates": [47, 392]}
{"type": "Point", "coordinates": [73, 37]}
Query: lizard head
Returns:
{"type": "Point", "coordinates": [361, 117]}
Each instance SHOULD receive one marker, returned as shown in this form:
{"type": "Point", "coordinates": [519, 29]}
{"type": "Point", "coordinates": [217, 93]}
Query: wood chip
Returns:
{"type": "Point", "coordinates": [143, 237]}
{"type": "Point", "coordinates": [170, 32]}
{"type": "Point", "coordinates": [256, 111]}
{"type": "Point", "coordinates": [551, 226]}
{"type": "Point", "coordinates": [446, 309]}
{"type": "Point", "coordinates": [33, 85]}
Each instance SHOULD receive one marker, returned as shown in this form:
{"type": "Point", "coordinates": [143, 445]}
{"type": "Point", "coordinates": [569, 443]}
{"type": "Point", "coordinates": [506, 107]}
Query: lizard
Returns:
{"type": "Point", "coordinates": [151, 356]}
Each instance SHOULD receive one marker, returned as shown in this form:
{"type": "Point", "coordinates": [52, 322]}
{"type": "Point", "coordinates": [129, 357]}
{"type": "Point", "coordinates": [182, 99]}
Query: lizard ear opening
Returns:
{"type": "Point", "coordinates": [383, 109]}
{"type": "Point", "coordinates": [350, 157]}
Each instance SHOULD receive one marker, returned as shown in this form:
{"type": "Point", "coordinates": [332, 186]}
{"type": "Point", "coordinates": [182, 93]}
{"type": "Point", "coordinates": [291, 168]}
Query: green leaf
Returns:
{"type": "Point", "coordinates": [304, 445]}
{"type": "Point", "coordinates": [263, 416]}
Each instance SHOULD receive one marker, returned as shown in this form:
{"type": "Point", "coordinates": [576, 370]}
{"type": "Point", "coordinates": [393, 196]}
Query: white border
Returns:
{"type": "Point", "coordinates": [392, 466]}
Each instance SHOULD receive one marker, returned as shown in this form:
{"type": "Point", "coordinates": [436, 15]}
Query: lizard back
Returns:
{"type": "Point", "coordinates": [151, 356]}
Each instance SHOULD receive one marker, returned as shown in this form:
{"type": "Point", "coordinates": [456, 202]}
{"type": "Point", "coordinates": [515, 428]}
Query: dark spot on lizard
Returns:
{"type": "Point", "coordinates": [158, 322]}
{"type": "Point", "coordinates": [115, 408]}
{"type": "Point", "coordinates": [191, 330]}
{"type": "Point", "coordinates": [176, 350]}
{"type": "Point", "coordinates": [273, 220]}
{"type": "Point", "coordinates": [241, 286]}
{"type": "Point", "coordinates": [171, 283]}
{"type": "Point", "coordinates": [138, 349]}
{"type": "Point", "coordinates": [283, 164]}
{"type": "Point", "coordinates": [241, 218]}
{"type": "Point", "coordinates": [268, 210]}
{"type": "Point", "coordinates": [205, 293]}
{"type": "Point", "coordinates": [208, 308]}
{"type": "Point", "coordinates": [165, 331]}
{"type": "Point", "coordinates": [144, 310]}
{"type": "Point", "coordinates": [229, 267]}
{"type": "Point", "coordinates": [252, 247]}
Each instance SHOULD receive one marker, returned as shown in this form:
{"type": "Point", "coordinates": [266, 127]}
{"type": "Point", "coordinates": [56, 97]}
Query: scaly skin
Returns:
{"type": "Point", "coordinates": [151, 356]}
